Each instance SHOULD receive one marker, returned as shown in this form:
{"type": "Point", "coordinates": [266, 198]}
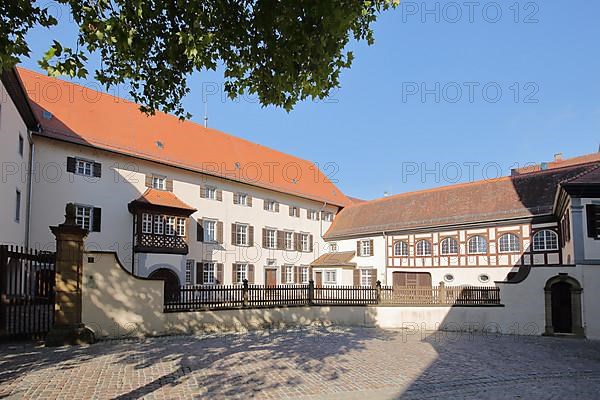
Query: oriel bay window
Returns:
{"type": "Point", "coordinates": [160, 223]}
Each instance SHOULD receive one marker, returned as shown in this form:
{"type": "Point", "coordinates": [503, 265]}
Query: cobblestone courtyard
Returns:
{"type": "Point", "coordinates": [337, 363]}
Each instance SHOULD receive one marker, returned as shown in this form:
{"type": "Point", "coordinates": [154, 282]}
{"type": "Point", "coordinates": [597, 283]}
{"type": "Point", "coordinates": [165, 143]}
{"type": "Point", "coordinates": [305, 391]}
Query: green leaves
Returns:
{"type": "Point", "coordinates": [282, 52]}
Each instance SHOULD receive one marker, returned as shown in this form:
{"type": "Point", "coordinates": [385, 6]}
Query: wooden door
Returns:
{"type": "Point", "coordinates": [420, 279]}
{"type": "Point", "coordinates": [561, 307]}
{"type": "Point", "coordinates": [318, 279]}
{"type": "Point", "coordinates": [271, 277]}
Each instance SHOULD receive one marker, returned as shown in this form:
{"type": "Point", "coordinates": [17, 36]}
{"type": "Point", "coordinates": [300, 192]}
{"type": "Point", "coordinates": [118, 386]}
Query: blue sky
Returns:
{"type": "Point", "coordinates": [422, 107]}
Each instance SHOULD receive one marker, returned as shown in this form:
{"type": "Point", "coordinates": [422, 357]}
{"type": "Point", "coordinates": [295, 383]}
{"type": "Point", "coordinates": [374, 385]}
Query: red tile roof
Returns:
{"type": "Point", "coordinates": [162, 198]}
{"type": "Point", "coordinates": [85, 116]}
{"type": "Point", "coordinates": [336, 259]}
{"type": "Point", "coordinates": [560, 163]}
{"type": "Point", "coordinates": [524, 195]}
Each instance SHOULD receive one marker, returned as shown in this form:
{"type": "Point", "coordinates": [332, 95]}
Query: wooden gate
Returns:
{"type": "Point", "coordinates": [26, 292]}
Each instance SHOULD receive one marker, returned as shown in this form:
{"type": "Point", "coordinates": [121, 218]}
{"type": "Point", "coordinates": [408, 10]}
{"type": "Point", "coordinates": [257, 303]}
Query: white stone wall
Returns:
{"type": "Point", "coordinates": [13, 171]}
{"type": "Point", "coordinates": [123, 180]}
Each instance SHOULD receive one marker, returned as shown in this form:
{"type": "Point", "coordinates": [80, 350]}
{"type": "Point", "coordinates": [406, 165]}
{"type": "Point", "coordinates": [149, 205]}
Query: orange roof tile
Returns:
{"type": "Point", "coordinates": [162, 198]}
{"type": "Point", "coordinates": [85, 116]}
{"type": "Point", "coordinates": [519, 196]}
{"type": "Point", "coordinates": [336, 259]}
{"type": "Point", "coordinates": [559, 163]}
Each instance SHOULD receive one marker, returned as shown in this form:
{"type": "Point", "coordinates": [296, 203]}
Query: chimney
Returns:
{"type": "Point", "coordinates": [558, 157]}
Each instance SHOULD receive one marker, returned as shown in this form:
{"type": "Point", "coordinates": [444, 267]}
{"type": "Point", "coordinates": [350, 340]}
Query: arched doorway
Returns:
{"type": "Point", "coordinates": [563, 306]}
{"type": "Point", "coordinates": [171, 282]}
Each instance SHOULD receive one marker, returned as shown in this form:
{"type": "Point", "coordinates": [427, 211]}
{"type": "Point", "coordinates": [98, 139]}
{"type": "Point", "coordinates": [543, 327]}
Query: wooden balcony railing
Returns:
{"type": "Point", "coordinates": [151, 243]}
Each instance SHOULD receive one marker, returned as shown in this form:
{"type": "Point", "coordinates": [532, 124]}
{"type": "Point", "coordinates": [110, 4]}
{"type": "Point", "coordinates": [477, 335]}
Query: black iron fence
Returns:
{"type": "Point", "coordinates": [216, 297]}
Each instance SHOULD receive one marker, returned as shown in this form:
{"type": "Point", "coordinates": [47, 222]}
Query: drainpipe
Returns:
{"type": "Point", "coordinates": [385, 246]}
{"type": "Point", "coordinates": [29, 187]}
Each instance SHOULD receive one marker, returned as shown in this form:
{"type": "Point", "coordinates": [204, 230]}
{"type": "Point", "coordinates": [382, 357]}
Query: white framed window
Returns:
{"type": "Point", "coordinates": [304, 242]}
{"type": "Point", "coordinates": [189, 267]}
{"type": "Point", "coordinates": [210, 229]}
{"type": "Point", "coordinates": [242, 199]}
{"type": "Point", "coordinates": [18, 206]}
{"type": "Point", "coordinates": [288, 274]}
{"type": "Point", "coordinates": [545, 240]}
{"type": "Point", "coordinates": [84, 167]}
{"type": "Point", "coordinates": [449, 246]}
{"type": "Point", "coordinates": [401, 249]}
{"type": "Point", "coordinates": [333, 247]}
{"type": "Point", "coordinates": [294, 211]}
{"type": "Point", "coordinates": [477, 245]}
{"type": "Point", "coordinates": [241, 272]}
{"type": "Point", "coordinates": [83, 216]}
{"type": "Point", "coordinates": [423, 248]}
{"type": "Point", "coordinates": [312, 215]}
{"type": "Point", "coordinates": [146, 223]}
{"type": "Point", "coordinates": [159, 225]}
{"type": "Point", "coordinates": [271, 205]}
{"type": "Point", "coordinates": [241, 234]}
{"type": "Point", "coordinates": [289, 240]}
{"type": "Point", "coordinates": [208, 273]}
{"type": "Point", "coordinates": [180, 226]}
{"type": "Point", "coordinates": [304, 278]}
{"type": "Point", "coordinates": [271, 238]}
{"type": "Point", "coordinates": [365, 248]}
{"type": "Point", "coordinates": [509, 243]}
{"type": "Point", "coordinates": [159, 182]}
{"type": "Point", "coordinates": [327, 216]}
{"type": "Point", "coordinates": [170, 226]}
{"type": "Point", "coordinates": [366, 278]}
{"type": "Point", "coordinates": [330, 277]}
{"type": "Point", "coordinates": [210, 192]}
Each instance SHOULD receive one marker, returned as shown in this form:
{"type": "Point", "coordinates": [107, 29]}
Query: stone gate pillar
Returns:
{"type": "Point", "coordinates": [67, 328]}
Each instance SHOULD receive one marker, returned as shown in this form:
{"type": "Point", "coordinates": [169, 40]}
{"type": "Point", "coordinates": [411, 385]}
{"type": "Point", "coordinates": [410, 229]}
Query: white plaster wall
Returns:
{"type": "Point", "coordinates": [13, 171]}
{"type": "Point", "coordinates": [590, 275]}
{"type": "Point", "coordinates": [377, 260]}
{"type": "Point", "coordinates": [123, 180]}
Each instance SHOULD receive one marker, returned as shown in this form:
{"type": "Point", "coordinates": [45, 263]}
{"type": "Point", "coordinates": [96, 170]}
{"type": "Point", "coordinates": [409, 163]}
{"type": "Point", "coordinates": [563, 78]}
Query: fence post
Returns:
{"type": "Point", "coordinates": [245, 293]}
{"type": "Point", "coordinates": [378, 292]}
{"type": "Point", "coordinates": [311, 292]}
{"type": "Point", "coordinates": [442, 293]}
{"type": "Point", "coordinates": [68, 327]}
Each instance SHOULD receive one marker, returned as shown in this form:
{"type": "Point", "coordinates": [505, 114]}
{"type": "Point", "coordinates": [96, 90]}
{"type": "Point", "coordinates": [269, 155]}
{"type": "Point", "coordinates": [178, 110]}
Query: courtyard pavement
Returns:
{"type": "Point", "coordinates": [316, 363]}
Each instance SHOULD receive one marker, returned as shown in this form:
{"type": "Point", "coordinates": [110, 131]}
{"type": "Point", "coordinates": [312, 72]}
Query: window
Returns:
{"type": "Point", "coordinates": [270, 238]}
{"type": "Point", "coordinates": [146, 223]}
{"type": "Point", "coordinates": [477, 245]}
{"type": "Point", "coordinates": [21, 145]}
{"type": "Point", "coordinates": [241, 272]}
{"type": "Point", "coordinates": [242, 199]}
{"type": "Point", "coordinates": [545, 240]}
{"type": "Point", "coordinates": [159, 225]}
{"type": "Point", "coordinates": [208, 273]}
{"type": "Point", "coordinates": [288, 274]}
{"type": "Point", "coordinates": [365, 248]}
{"type": "Point", "coordinates": [189, 266]}
{"type": "Point", "coordinates": [304, 241]}
{"type": "Point", "coordinates": [84, 167]}
{"type": "Point", "coordinates": [423, 248]}
{"type": "Point", "coordinates": [159, 182]}
{"type": "Point", "coordinates": [294, 211]}
{"type": "Point", "coordinates": [180, 226]}
{"type": "Point", "coordinates": [303, 274]}
{"type": "Point", "coordinates": [509, 243]}
{"type": "Point", "coordinates": [366, 277]}
{"type": "Point", "coordinates": [210, 192]}
{"type": "Point", "coordinates": [170, 226]}
{"type": "Point", "coordinates": [483, 278]}
{"type": "Point", "coordinates": [330, 277]}
{"type": "Point", "coordinates": [289, 240]}
{"type": "Point", "coordinates": [312, 215]}
{"type": "Point", "coordinates": [18, 206]}
{"type": "Point", "coordinates": [210, 231]}
{"type": "Point", "coordinates": [241, 234]}
{"type": "Point", "coordinates": [448, 277]}
{"type": "Point", "coordinates": [327, 216]}
{"type": "Point", "coordinates": [333, 247]}
{"type": "Point", "coordinates": [449, 246]}
{"type": "Point", "coordinates": [401, 249]}
{"type": "Point", "coordinates": [83, 217]}
{"type": "Point", "coordinates": [271, 205]}
{"type": "Point", "coordinates": [592, 212]}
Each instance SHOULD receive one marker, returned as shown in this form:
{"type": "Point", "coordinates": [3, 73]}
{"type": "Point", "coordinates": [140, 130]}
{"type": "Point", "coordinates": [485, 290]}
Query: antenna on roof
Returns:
{"type": "Point", "coordinates": [206, 113]}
